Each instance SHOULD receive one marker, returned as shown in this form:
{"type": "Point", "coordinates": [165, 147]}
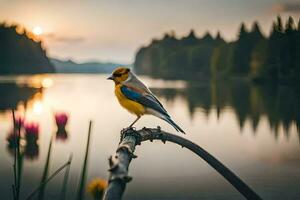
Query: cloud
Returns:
{"type": "Point", "coordinates": [65, 39]}
{"type": "Point", "coordinates": [286, 7]}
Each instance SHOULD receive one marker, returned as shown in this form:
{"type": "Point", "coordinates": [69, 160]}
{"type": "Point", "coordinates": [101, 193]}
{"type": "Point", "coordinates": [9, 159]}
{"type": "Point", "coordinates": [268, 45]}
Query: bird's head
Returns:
{"type": "Point", "coordinates": [120, 75]}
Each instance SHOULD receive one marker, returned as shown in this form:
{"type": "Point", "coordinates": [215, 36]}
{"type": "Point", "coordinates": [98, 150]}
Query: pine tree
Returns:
{"type": "Point", "coordinates": [191, 34]}
{"type": "Point", "coordinates": [255, 30]}
{"type": "Point", "coordinates": [273, 60]}
{"type": "Point", "coordinates": [242, 52]}
{"type": "Point", "coordinates": [297, 61]}
{"type": "Point", "coordinates": [288, 55]}
{"type": "Point", "coordinates": [290, 25]}
{"type": "Point", "coordinates": [190, 39]}
{"type": "Point", "coordinates": [243, 31]}
{"type": "Point", "coordinates": [279, 25]}
{"type": "Point", "coordinates": [219, 38]}
{"type": "Point", "coordinates": [273, 29]}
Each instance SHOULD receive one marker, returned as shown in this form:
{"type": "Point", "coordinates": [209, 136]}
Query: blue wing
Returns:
{"type": "Point", "coordinates": [146, 100]}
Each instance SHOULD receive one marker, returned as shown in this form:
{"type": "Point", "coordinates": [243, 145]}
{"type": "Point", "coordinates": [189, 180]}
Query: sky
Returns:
{"type": "Point", "coordinates": [114, 30]}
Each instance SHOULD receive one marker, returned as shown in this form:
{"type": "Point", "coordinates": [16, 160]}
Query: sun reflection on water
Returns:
{"type": "Point", "coordinates": [37, 107]}
{"type": "Point", "coordinates": [47, 82]}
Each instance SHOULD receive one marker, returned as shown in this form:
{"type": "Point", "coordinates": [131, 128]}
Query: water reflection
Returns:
{"type": "Point", "coordinates": [32, 150]}
{"type": "Point", "coordinates": [13, 94]}
{"type": "Point", "coordinates": [279, 104]}
{"type": "Point", "coordinates": [11, 139]}
{"type": "Point", "coordinates": [27, 135]}
{"type": "Point", "coordinates": [32, 131]}
{"type": "Point", "coordinates": [226, 116]}
{"type": "Point", "coordinates": [61, 134]}
{"type": "Point", "coordinates": [61, 119]}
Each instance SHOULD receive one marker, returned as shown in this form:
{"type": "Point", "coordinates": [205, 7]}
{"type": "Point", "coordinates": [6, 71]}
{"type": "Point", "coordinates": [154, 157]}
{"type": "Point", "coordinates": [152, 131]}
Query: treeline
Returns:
{"type": "Point", "coordinates": [275, 58]}
{"type": "Point", "coordinates": [20, 53]}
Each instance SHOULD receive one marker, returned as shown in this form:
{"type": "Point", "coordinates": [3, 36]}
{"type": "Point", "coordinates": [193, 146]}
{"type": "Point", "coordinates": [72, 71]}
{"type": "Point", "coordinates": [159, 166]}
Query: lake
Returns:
{"type": "Point", "coordinates": [251, 129]}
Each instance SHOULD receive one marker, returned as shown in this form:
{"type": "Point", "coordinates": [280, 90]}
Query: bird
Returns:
{"type": "Point", "coordinates": [136, 97]}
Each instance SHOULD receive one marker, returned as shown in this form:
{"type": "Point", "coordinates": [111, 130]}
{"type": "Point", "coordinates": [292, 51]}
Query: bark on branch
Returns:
{"type": "Point", "coordinates": [119, 163]}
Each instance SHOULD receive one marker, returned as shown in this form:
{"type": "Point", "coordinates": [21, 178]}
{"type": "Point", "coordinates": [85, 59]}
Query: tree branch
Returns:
{"type": "Point", "coordinates": [119, 163]}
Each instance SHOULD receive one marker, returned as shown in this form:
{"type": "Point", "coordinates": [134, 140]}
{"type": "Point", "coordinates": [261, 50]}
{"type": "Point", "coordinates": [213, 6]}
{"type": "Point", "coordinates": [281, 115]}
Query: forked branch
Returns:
{"type": "Point", "coordinates": [119, 163]}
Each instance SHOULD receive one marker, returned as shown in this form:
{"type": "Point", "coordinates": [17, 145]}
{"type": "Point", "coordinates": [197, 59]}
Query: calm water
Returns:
{"type": "Point", "coordinates": [251, 129]}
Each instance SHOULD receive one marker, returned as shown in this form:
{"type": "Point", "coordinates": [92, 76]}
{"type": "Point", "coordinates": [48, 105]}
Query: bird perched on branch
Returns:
{"type": "Point", "coordinates": [134, 96]}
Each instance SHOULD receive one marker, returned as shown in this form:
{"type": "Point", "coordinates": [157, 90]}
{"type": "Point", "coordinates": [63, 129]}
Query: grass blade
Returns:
{"type": "Point", "coordinates": [67, 164]}
{"type": "Point", "coordinates": [80, 194]}
{"type": "Point", "coordinates": [65, 182]}
{"type": "Point", "coordinates": [42, 186]}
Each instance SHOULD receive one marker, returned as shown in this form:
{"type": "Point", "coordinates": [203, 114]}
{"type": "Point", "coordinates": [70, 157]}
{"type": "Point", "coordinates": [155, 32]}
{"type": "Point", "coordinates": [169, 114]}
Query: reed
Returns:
{"type": "Point", "coordinates": [42, 186]}
{"type": "Point", "coordinates": [65, 181]}
{"type": "Point", "coordinates": [80, 191]}
{"type": "Point", "coordinates": [18, 159]}
{"type": "Point", "coordinates": [67, 164]}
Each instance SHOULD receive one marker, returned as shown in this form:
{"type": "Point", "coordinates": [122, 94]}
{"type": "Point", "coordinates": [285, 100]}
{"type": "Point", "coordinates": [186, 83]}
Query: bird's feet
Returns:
{"type": "Point", "coordinates": [124, 130]}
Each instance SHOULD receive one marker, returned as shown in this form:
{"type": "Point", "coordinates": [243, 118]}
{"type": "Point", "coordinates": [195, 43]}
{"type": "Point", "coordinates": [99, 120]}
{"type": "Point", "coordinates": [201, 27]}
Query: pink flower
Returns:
{"type": "Point", "coordinates": [61, 119]}
{"type": "Point", "coordinates": [31, 130]}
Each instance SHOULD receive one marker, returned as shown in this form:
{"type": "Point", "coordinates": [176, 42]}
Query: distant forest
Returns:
{"type": "Point", "coordinates": [275, 58]}
{"type": "Point", "coordinates": [20, 53]}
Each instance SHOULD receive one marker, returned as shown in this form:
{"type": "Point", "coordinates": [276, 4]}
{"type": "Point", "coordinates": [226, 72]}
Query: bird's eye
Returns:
{"type": "Point", "coordinates": [117, 75]}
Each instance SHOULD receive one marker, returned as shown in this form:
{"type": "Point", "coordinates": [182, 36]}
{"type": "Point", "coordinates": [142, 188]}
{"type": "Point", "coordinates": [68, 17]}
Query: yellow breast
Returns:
{"type": "Point", "coordinates": [131, 106]}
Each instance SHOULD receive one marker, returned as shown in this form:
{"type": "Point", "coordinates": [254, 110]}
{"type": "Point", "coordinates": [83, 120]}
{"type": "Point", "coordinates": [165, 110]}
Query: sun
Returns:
{"type": "Point", "coordinates": [37, 30]}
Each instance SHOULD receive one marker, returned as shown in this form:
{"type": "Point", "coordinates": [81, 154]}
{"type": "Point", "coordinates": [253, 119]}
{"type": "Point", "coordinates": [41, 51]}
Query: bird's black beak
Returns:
{"type": "Point", "coordinates": [111, 77]}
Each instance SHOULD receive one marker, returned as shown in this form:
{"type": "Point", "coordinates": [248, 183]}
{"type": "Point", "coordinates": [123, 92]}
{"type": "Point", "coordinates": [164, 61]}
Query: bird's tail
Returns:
{"type": "Point", "coordinates": [170, 121]}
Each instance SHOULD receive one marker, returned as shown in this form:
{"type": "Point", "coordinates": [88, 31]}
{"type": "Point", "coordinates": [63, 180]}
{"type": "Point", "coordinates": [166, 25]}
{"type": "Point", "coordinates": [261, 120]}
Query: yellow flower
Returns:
{"type": "Point", "coordinates": [97, 187]}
